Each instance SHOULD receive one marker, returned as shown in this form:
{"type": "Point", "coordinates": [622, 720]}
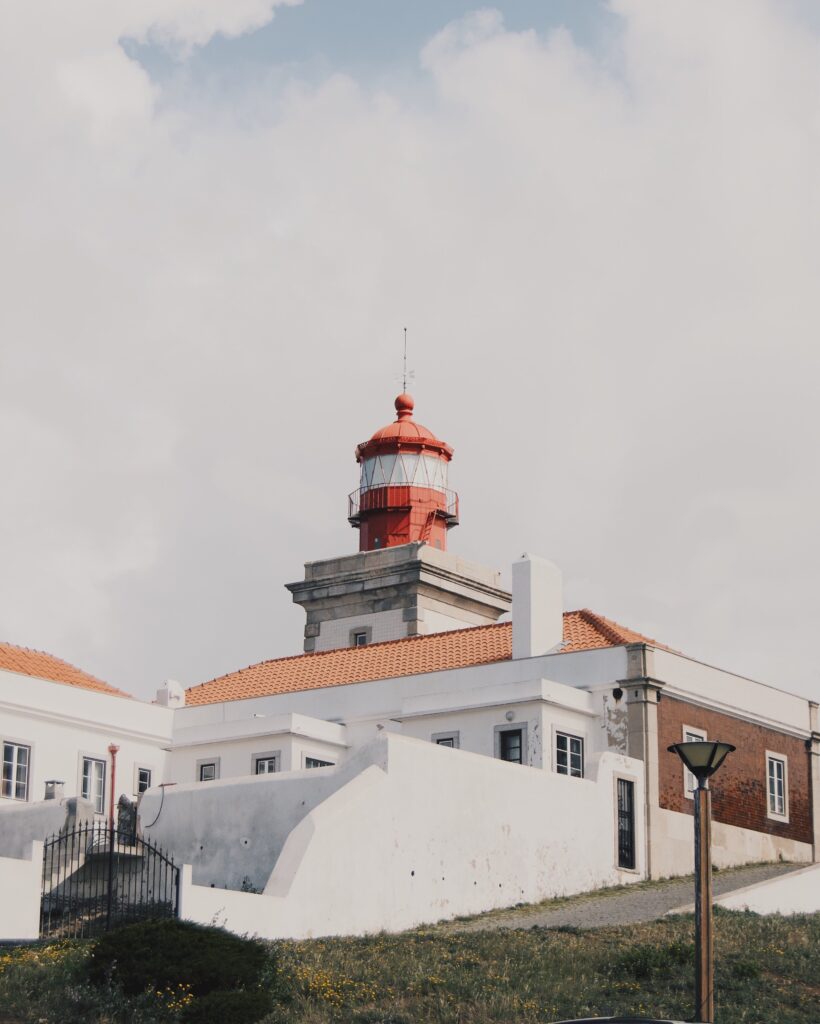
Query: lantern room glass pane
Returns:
{"type": "Point", "coordinates": [436, 472]}
{"type": "Point", "coordinates": [411, 465]}
{"type": "Point", "coordinates": [367, 473]}
{"type": "Point", "coordinates": [378, 473]}
{"type": "Point", "coordinates": [400, 471]}
{"type": "Point", "coordinates": [388, 467]}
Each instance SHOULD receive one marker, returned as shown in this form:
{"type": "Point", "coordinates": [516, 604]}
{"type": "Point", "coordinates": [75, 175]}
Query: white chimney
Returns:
{"type": "Point", "coordinates": [171, 695]}
{"type": "Point", "coordinates": [55, 789]}
{"type": "Point", "coordinates": [537, 607]}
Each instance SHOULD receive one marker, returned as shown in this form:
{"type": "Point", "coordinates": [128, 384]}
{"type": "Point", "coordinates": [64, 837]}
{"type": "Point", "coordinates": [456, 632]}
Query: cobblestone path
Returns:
{"type": "Point", "coordinates": [644, 901]}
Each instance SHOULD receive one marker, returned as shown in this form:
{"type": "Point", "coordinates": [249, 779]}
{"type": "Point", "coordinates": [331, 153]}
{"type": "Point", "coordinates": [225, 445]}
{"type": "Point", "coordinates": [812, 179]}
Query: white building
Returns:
{"type": "Point", "coordinates": [422, 759]}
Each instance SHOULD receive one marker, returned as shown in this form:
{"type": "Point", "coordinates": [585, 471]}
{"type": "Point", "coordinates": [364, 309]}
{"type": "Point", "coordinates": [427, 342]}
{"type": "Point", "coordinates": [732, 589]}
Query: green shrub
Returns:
{"type": "Point", "coordinates": [645, 960]}
{"type": "Point", "coordinates": [237, 1007]}
{"type": "Point", "coordinates": [162, 955]}
{"type": "Point", "coordinates": [745, 970]}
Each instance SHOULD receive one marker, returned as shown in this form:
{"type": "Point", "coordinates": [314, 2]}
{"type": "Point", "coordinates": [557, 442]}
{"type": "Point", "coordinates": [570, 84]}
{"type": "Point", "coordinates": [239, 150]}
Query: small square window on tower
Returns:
{"type": "Point", "coordinates": [361, 636]}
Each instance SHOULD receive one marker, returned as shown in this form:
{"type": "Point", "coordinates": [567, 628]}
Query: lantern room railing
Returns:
{"type": "Point", "coordinates": [389, 496]}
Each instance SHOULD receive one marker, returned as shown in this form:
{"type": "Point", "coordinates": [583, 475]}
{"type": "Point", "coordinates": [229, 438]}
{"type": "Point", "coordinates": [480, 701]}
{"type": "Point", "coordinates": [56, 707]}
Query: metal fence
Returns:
{"type": "Point", "coordinates": [97, 876]}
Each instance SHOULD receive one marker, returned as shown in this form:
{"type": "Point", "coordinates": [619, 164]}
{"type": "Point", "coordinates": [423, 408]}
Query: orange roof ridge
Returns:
{"type": "Point", "coordinates": [618, 633]}
{"type": "Point", "coordinates": [41, 665]}
{"type": "Point", "coordinates": [434, 652]}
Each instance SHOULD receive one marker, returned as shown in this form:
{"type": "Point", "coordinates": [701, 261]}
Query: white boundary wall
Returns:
{"type": "Point", "coordinates": [795, 893]}
{"type": "Point", "coordinates": [20, 884]}
{"type": "Point", "coordinates": [731, 846]}
{"type": "Point", "coordinates": [433, 834]}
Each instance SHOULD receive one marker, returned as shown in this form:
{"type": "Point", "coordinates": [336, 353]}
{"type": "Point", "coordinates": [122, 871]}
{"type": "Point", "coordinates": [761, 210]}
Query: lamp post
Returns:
{"type": "Point", "coordinates": [703, 758]}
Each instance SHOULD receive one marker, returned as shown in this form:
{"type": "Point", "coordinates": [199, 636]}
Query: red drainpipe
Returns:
{"type": "Point", "coordinates": [112, 750]}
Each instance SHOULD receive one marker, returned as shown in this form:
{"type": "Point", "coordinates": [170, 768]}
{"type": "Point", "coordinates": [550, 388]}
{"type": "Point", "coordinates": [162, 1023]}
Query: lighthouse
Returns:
{"type": "Point", "coordinates": [403, 495]}
{"type": "Point", "coordinates": [403, 581]}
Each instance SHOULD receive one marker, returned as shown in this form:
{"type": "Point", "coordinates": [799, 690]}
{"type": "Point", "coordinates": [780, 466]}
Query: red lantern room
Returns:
{"type": "Point", "coordinates": [403, 495]}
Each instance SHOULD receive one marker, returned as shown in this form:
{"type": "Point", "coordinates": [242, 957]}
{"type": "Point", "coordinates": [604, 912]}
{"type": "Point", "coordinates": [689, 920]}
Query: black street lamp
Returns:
{"type": "Point", "coordinates": [703, 758]}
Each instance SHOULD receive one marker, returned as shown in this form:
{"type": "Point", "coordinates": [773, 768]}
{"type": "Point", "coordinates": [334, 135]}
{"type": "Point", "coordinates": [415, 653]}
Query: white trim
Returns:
{"type": "Point", "coordinates": [102, 727]}
{"type": "Point", "coordinates": [690, 783]}
{"type": "Point", "coordinates": [772, 755]}
{"type": "Point", "coordinates": [85, 755]}
{"type": "Point", "coordinates": [733, 711]}
{"type": "Point", "coordinates": [558, 731]}
{"type": "Point", "coordinates": [29, 771]}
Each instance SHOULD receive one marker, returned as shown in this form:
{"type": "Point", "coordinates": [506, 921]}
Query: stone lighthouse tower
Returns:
{"type": "Point", "coordinates": [403, 582]}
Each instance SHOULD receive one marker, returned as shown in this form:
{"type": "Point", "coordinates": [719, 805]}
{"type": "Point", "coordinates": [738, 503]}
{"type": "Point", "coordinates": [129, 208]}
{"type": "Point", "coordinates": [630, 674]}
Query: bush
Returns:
{"type": "Point", "coordinates": [645, 960]}
{"type": "Point", "coordinates": [165, 954]}
{"type": "Point", "coordinates": [236, 1007]}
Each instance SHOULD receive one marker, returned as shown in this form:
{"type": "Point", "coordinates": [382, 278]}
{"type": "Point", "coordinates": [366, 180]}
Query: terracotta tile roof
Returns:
{"type": "Point", "coordinates": [460, 648]}
{"type": "Point", "coordinates": [46, 666]}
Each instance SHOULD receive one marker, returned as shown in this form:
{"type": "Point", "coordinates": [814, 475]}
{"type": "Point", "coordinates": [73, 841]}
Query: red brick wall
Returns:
{"type": "Point", "coordinates": [739, 789]}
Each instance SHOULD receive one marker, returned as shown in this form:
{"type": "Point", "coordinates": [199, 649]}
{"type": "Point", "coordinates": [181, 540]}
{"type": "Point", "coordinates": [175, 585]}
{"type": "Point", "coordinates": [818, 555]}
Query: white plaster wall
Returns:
{"type": "Point", "coordinates": [232, 830]}
{"type": "Point", "coordinates": [20, 881]}
{"type": "Point", "coordinates": [238, 757]}
{"type": "Point", "coordinates": [429, 834]}
{"type": "Point", "coordinates": [673, 852]}
{"type": "Point", "coordinates": [22, 822]}
{"type": "Point", "coordinates": [237, 743]}
{"type": "Point", "coordinates": [795, 893]}
{"type": "Point", "coordinates": [476, 728]}
{"type": "Point", "coordinates": [384, 698]}
{"type": "Point", "coordinates": [63, 723]}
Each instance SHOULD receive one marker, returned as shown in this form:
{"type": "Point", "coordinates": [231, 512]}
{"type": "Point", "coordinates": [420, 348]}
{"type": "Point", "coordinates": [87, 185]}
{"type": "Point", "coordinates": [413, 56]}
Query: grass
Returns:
{"type": "Point", "coordinates": [768, 969]}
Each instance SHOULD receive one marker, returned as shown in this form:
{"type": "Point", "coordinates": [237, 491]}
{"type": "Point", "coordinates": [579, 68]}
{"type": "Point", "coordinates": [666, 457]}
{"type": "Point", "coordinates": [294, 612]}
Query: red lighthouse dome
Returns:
{"type": "Point", "coordinates": [403, 495]}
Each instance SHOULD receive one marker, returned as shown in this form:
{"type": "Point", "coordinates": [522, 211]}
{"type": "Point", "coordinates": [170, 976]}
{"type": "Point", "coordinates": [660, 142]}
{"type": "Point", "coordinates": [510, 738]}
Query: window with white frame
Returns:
{"type": "Point", "coordinates": [777, 785]}
{"type": "Point", "coordinates": [16, 765]}
{"type": "Point", "coordinates": [569, 755]}
{"type": "Point", "coordinates": [446, 739]}
{"type": "Point", "coordinates": [690, 783]}
{"type": "Point", "coordinates": [267, 764]}
{"type": "Point", "coordinates": [207, 771]}
{"type": "Point", "coordinates": [317, 762]}
{"type": "Point", "coordinates": [92, 785]}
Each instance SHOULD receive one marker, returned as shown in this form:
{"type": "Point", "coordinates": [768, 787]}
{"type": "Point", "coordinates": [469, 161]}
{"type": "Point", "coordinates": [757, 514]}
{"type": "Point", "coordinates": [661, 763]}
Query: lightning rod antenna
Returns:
{"type": "Point", "coordinates": [404, 375]}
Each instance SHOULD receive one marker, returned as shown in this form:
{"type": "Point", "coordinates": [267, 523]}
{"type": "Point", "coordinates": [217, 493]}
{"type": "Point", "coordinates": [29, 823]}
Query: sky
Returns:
{"type": "Point", "coordinates": [598, 222]}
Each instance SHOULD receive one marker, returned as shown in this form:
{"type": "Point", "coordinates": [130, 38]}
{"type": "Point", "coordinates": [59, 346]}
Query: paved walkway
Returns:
{"type": "Point", "coordinates": [645, 901]}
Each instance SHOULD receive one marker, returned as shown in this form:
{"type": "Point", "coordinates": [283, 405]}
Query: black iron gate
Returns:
{"type": "Point", "coordinates": [96, 877]}
{"type": "Point", "coordinates": [626, 824]}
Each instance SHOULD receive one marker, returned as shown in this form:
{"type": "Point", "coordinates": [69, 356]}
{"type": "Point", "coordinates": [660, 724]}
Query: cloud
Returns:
{"type": "Point", "coordinates": [606, 259]}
